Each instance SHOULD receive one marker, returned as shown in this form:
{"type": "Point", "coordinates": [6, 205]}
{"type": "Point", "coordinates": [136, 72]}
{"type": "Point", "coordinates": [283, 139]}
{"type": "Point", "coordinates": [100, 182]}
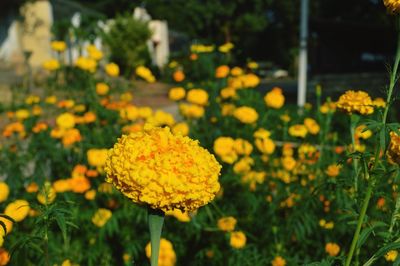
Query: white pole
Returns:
{"type": "Point", "coordinates": [302, 78]}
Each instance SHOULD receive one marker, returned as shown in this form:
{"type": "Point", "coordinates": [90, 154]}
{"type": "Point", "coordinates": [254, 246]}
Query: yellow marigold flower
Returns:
{"type": "Point", "coordinates": [243, 147]}
{"type": "Point", "coordinates": [181, 128]}
{"type": "Point", "coordinates": [191, 110]}
{"type": "Point", "coordinates": [178, 76]}
{"type": "Point", "coordinates": [97, 157]}
{"type": "Point", "coordinates": [161, 118]}
{"type": "Point", "coordinates": [312, 126]}
{"type": "Point", "coordinates": [32, 99]}
{"type": "Point", "coordinates": [4, 191]}
{"type": "Point", "coordinates": [288, 163]}
{"type": "Point", "coordinates": [227, 224]}
{"type": "Point", "coordinates": [356, 102]}
{"type": "Point", "coordinates": [101, 217]}
{"type": "Point", "coordinates": [126, 97]}
{"type": "Point", "coordinates": [252, 65]}
{"type": "Point", "coordinates": [201, 48]}
{"type": "Point", "coordinates": [173, 64]}
{"type": "Point", "coordinates": [102, 88]}
{"type": "Point", "coordinates": [22, 114]}
{"type": "Point", "coordinates": [51, 99]}
{"type": "Point", "coordinates": [393, 6]}
{"type": "Point", "coordinates": [393, 152]}
{"type": "Point", "coordinates": [246, 114]}
{"type": "Point", "coordinates": [362, 132]}
{"type": "Point", "coordinates": [79, 184]}
{"type": "Point", "coordinates": [236, 71]}
{"type": "Point", "coordinates": [227, 109]}
{"type": "Point", "coordinates": [228, 92]}
{"type": "Point", "coordinates": [167, 256]}
{"type": "Point", "coordinates": [333, 170]}
{"type": "Point", "coordinates": [4, 257]}
{"type": "Point", "coordinates": [222, 71]}
{"type": "Point", "coordinates": [94, 53]}
{"type": "Point", "coordinates": [274, 98]}
{"type": "Point", "coordinates": [51, 64]}
{"type": "Point", "coordinates": [130, 113]}
{"type": "Point", "coordinates": [391, 255]}
{"type": "Point", "coordinates": [253, 178]}
{"type": "Point", "coordinates": [145, 74]}
{"type": "Point", "coordinates": [243, 165]}
{"type": "Point", "coordinates": [66, 121]}
{"type": "Point", "coordinates": [112, 70]}
{"type": "Point", "coordinates": [250, 80]}
{"type": "Point", "coordinates": [18, 210]}
{"type": "Point", "coordinates": [329, 225]}
{"type": "Point", "coordinates": [197, 96]}
{"type": "Point", "coordinates": [379, 102]}
{"type": "Point", "coordinates": [265, 145]}
{"type": "Point", "coordinates": [86, 64]}
{"type": "Point", "coordinates": [70, 136]}
{"type": "Point", "coordinates": [224, 147]}
{"type": "Point", "coordinates": [237, 239]}
{"type": "Point", "coordinates": [62, 185]}
{"type": "Point", "coordinates": [47, 194]}
{"type": "Point", "coordinates": [58, 46]}
{"type": "Point", "coordinates": [9, 226]}
{"type": "Point", "coordinates": [177, 93]}
{"type": "Point", "coordinates": [163, 170]}
{"type": "Point", "coordinates": [32, 188]}
{"type": "Point", "coordinates": [179, 215]}
{"type": "Point", "coordinates": [225, 48]}
{"type": "Point", "coordinates": [298, 131]}
{"type": "Point", "coordinates": [278, 261]}
{"type": "Point", "coordinates": [262, 133]}
{"type": "Point", "coordinates": [90, 194]}
{"type": "Point", "coordinates": [332, 249]}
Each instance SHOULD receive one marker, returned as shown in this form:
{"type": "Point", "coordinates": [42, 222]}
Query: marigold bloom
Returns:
{"type": "Point", "coordinates": [66, 121]}
{"type": "Point", "coordinates": [62, 185]}
{"type": "Point", "coordinates": [362, 132]}
{"type": "Point", "coordinates": [177, 93]}
{"type": "Point", "coordinates": [333, 170]}
{"type": "Point", "coordinates": [298, 131]}
{"type": "Point", "coordinates": [224, 147]}
{"type": "Point", "coordinates": [94, 53]}
{"type": "Point", "coordinates": [228, 92]}
{"type": "Point", "coordinates": [9, 226]}
{"type": "Point", "coordinates": [178, 76]}
{"type": "Point", "coordinates": [227, 224]}
{"type": "Point", "coordinates": [222, 71]}
{"type": "Point", "coordinates": [197, 96]}
{"type": "Point", "coordinates": [278, 261]}
{"type": "Point", "coordinates": [164, 171]}
{"type": "Point", "coordinates": [237, 239]}
{"type": "Point", "coordinates": [288, 163]}
{"type": "Point", "coordinates": [243, 165]}
{"type": "Point", "coordinates": [112, 70]}
{"type": "Point", "coordinates": [236, 71]}
{"type": "Point", "coordinates": [58, 46]}
{"type": "Point", "coordinates": [79, 184]}
{"type": "Point", "coordinates": [86, 64]}
{"type": "Point", "coordinates": [191, 110]}
{"type": "Point", "coordinates": [356, 102]}
{"type": "Point", "coordinates": [274, 98]}
{"type": "Point", "coordinates": [246, 115]}
{"type": "Point", "coordinates": [161, 118]}
{"type": "Point", "coordinates": [4, 191]}
{"type": "Point", "coordinates": [47, 194]}
{"type": "Point", "coordinates": [102, 88]}
{"type": "Point", "coordinates": [167, 256]}
{"type": "Point", "coordinates": [4, 257]}
{"type": "Point", "coordinates": [332, 249]}
{"type": "Point", "coordinates": [312, 126]}
{"type": "Point", "coordinates": [391, 255]}
{"type": "Point", "coordinates": [179, 215]}
{"type": "Point", "coordinates": [97, 157]}
{"type": "Point", "coordinates": [225, 48]}
{"type": "Point", "coordinates": [51, 64]}
{"type": "Point", "coordinates": [101, 217]}
{"type": "Point", "coordinates": [243, 147]}
{"type": "Point", "coordinates": [22, 114]}
{"type": "Point", "coordinates": [393, 6]}
{"type": "Point", "coordinates": [393, 152]}
{"type": "Point", "coordinates": [18, 210]}
{"type": "Point", "coordinates": [181, 128]}
{"type": "Point", "coordinates": [71, 136]}
{"type": "Point", "coordinates": [265, 145]}
{"type": "Point", "coordinates": [145, 74]}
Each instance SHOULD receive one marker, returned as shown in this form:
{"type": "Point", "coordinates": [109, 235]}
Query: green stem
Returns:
{"type": "Point", "coordinates": [360, 222]}
{"type": "Point", "coordinates": [156, 220]}
{"type": "Point", "coordinates": [353, 122]}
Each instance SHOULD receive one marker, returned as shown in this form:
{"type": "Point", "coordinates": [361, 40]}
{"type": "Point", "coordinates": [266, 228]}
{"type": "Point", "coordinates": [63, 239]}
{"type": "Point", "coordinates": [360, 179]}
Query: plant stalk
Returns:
{"type": "Point", "coordinates": [155, 220]}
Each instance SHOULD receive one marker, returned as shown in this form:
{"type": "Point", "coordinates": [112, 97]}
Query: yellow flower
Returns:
{"type": "Point", "coordinates": [112, 70]}
{"type": "Point", "coordinates": [236, 71]}
{"type": "Point", "coordinates": [145, 74]}
{"type": "Point", "coordinates": [101, 217]}
{"type": "Point", "coordinates": [253, 178]}
{"type": "Point", "coordinates": [288, 163]}
{"type": "Point", "coordinates": [90, 194]}
{"type": "Point", "coordinates": [379, 102]}
{"type": "Point", "coordinates": [298, 131]}
{"type": "Point", "coordinates": [243, 165]}
{"type": "Point", "coordinates": [312, 126]}
{"type": "Point", "coordinates": [86, 64]}
{"type": "Point", "coordinates": [161, 118]}
{"type": "Point", "coordinates": [237, 239]}
{"type": "Point", "coordinates": [197, 96]}
{"type": "Point", "coordinates": [332, 249]}
{"type": "Point", "coordinates": [393, 152]}
{"type": "Point", "coordinates": [32, 99]}
{"type": "Point", "coordinates": [51, 99]}
{"type": "Point", "coordinates": [391, 255]}
{"type": "Point", "coordinates": [222, 71]}
{"type": "Point", "coordinates": [362, 132]}
{"type": "Point", "coordinates": [97, 157]}
{"type": "Point", "coordinates": [22, 114]}
{"type": "Point", "coordinates": [252, 65]}
{"type": "Point", "coordinates": [181, 128]}
{"type": "Point", "coordinates": [356, 102]}
{"type": "Point", "coordinates": [47, 194]}
{"type": "Point", "coordinates": [225, 48]}
{"type": "Point", "coordinates": [227, 224]}
{"type": "Point", "coordinates": [79, 184]}
{"type": "Point", "coordinates": [51, 64]}
{"type": "Point", "coordinates": [62, 185]}
{"type": "Point", "coordinates": [58, 46]}
{"type": "Point", "coordinates": [163, 170]}
{"type": "Point", "coordinates": [18, 210]}
{"type": "Point", "coordinates": [177, 93]}
{"type": "Point", "coordinates": [4, 191]}
{"type": "Point", "coordinates": [249, 80]}
{"type": "Point", "coordinates": [243, 147]}
{"type": "Point", "coordinates": [227, 109]}
{"type": "Point", "coordinates": [393, 6]}
{"type": "Point", "coordinates": [94, 53]}
{"type": "Point", "coordinates": [179, 215]}
{"type": "Point", "coordinates": [224, 147]}
{"type": "Point", "coordinates": [228, 92]}
{"type": "Point", "coordinates": [274, 98]}
{"type": "Point", "coordinates": [191, 110]}
{"type": "Point", "coordinates": [66, 121]}
{"type": "Point", "coordinates": [265, 145]}
{"type": "Point", "coordinates": [167, 256]}
{"type": "Point", "coordinates": [9, 226]}
{"type": "Point", "coordinates": [102, 88]}
{"type": "Point", "coordinates": [333, 170]}
{"type": "Point", "coordinates": [245, 114]}
{"type": "Point", "coordinates": [278, 261]}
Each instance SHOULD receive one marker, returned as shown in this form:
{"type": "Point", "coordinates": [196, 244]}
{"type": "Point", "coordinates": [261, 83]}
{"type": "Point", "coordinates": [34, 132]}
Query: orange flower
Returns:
{"type": "Point", "coordinates": [222, 71]}
{"type": "Point", "coordinates": [179, 76]}
{"type": "Point", "coordinates": [79, 184]}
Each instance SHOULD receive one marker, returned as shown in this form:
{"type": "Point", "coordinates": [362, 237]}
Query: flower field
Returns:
{"type": "Point", "coordinates": [243, 177]}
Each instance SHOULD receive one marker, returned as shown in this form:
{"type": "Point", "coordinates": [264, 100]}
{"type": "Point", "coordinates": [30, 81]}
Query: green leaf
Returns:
{"type": "Point", "coordinates": [367, 232]}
